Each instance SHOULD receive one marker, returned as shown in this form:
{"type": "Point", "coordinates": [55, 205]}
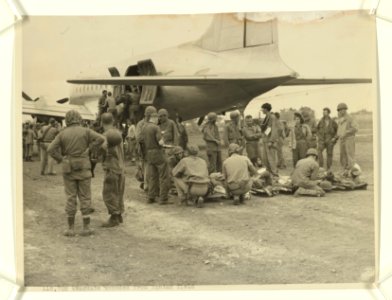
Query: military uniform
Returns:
{"type": "Point", "coordinates": [347, 128]}
{"type": "Point", "coordinates": [212, 139]}
{"type": "Point", "coordinates": [48, 134]}
{"type": "Point", "coordinates": [71, 147]}
{"type": "Point", "coordinates": [326, 132]}
{"type": "Point", "coordinates": [237, 170]}
{"type": "Point", "coordinates": [169, 132]}
{"type": "Point", "coordinates": [305, 175]}
{"type": "Point", "coordinates": [281, 138]}
{"type": "Point", "coordinates": [299, 139]}
{"type": "Point", "coordinates": [157, 167]}
{"type": "Point", "coordinates": [191, 169]}
{"type": "Point", "coordinates": [114, 178]}
{"type": "Point", "coordinates": [252, 135]}
{"type": "Point", "coordinates": [233, 134]}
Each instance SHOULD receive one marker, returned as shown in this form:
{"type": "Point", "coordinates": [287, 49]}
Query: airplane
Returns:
{"type": "Point", "coordinates": [40, 111]}
{"type": "Point", "coordinates": [234, 61]}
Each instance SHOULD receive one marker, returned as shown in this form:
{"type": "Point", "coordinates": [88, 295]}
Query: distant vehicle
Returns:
{"type": "Point", "coordinates": [234, 61]}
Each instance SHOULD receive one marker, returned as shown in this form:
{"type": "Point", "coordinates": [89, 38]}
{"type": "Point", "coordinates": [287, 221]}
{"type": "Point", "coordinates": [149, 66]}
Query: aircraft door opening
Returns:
{"type": "Point", "coordinates": [149, 92]}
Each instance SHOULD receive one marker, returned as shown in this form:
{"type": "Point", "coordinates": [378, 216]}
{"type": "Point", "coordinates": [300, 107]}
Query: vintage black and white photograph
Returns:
{"type": "Point", "coordinates": [199, 150]}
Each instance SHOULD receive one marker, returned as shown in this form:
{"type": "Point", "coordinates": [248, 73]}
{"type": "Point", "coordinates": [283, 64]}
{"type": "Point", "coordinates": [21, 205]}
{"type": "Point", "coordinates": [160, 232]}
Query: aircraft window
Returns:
{"type": "Point", "coordinates": [258, 33]}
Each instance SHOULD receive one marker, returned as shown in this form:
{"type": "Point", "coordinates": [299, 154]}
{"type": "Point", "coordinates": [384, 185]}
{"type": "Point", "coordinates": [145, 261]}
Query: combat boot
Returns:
{"type": "Point", "coordinates": [111, 222]}
{"type": "Point", "coordinates": [236, 200]}
{"type": "Point", "coordinates": [199, 202]}
{"type": "Point", "coordinates": [71, 225]}
{"type": "Point", "coordinates": [120, 218]}
{"type": "Point", "coordinates": [86, 231]}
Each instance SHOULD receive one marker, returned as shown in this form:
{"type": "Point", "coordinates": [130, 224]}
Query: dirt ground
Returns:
{"type": "Point", "coordinates": [275, 240]}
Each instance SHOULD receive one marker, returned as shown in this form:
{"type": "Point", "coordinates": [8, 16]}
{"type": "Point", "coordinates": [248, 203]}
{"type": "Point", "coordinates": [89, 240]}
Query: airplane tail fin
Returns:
{"type": "Point", "coordinates": [235, 31]}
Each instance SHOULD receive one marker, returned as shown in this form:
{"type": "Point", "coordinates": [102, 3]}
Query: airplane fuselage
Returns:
{"type": "Point", "coordinates": [194, 101]}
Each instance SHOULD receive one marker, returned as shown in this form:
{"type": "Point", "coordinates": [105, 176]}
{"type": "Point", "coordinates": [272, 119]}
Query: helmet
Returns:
{"type": "Point", "coordinates": [162, 112]}
{"type": "Point", "coordinates": [107, 118]}
{"type": "Point", "coordinates": [234, 148]}
{"type": "Point", "coordinates": [192, 149]}
{"type": "Point", "coordinates": [342, 106]}
{"type": "Point", "coordinates": [356, 170]}
{"type": "Point", "coordinates": [326, 185]}
{"type": "Point", "coordinates": [149, 110]}
{"type": "Point", "coordinates": [113, 137]}
{"type": "Point", "coordinates": [311, 151]}
{"type": "Point", "coordinates": [212, 116]}
{"type": "Point", "coordinates": [234, 114]}
{"type": "Point", "coordinates": [177, 150]}
{"type": "Point", "coordinates": [72, 117]}
{"type": "Point", "coordinates": [52, 120]}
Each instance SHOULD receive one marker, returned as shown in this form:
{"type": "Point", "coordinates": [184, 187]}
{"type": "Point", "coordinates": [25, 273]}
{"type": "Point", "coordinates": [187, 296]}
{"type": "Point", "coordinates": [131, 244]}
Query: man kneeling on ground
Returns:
{"type": "Point", "coordinates": [191, 172]}
{"type": "Point", "coordinates": [304, 176]}
{"type": "Point", "coordinates": [237, 170]}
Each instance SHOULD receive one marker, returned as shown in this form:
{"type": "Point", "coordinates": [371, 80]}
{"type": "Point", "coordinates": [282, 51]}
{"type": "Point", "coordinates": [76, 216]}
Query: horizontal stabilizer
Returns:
{"type": "Point", "coordinates": [321, 81]}
{"type": "Point", "coordinates": [175, 80]}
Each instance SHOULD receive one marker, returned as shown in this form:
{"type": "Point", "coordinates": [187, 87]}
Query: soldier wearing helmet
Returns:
{"type": "Point", "coordinates": [237, 170]}
{"type": "Point", "coordinates": [305, 175]}
{"type": "Point", "coordinates": [71, 147]}
{"type": "Point", "coordinates": [168, 128]}
{"type": "Point", "coordinates": [213, 143]}
{"type": "Point", "coordinates": [252, 135]}
{"type": "Point", "coordinates": [175, 155]}
{"type": "Point", "coordinates": [233, 130]}
{"type": "Point", "coordinates": [326, 132]}
{"type": "Point", "coordinates": [157, 169]}
{"type": "Point", "coordinates": [113, 166]}
{"type": "Point", "coordinates": [140, 151]}
{"type": "Point", "coordinates": [347, 128]}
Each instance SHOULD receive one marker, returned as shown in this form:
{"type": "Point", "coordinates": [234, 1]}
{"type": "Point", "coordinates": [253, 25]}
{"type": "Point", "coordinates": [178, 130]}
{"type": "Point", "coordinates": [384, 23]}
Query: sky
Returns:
{"type": "Point", "coordinates": [330, 45]}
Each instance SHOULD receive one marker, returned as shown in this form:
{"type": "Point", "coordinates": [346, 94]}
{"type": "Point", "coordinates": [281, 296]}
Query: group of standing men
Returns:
{"type": "Point", "coordinates": [263, 142]}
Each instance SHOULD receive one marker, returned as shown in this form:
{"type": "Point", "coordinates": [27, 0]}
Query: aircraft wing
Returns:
{"type": "Point", "coordinates": [210, 80]}
{"type": "Point", "coordinates": [322, 81]}
{"type": "Point", "coordinates": [174, 80]}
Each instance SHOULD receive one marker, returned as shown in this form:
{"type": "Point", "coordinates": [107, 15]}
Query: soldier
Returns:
{"type": "Point", "coordinates": [282, 136]}
{"type": "Point", "coordinates": [46, 135]}
{"type": "Point", "coordinates": [347, 128]}
{"type": "Point", "coordinates": [140, 148]}
{"type": "Point", "coordinates": [311, 122]}
{"type": "Point", "coordinates": [111, 105]}
{"type": "Point", "coordinates": [191, 169]}
{"type": "Point", "coordinates": [213, 143]}
{"type": "Point", "coordinates": [252, 135]}
{"type": "Point", "coordinates": [326, 131]}
{"type": "Point", "coordinates": [175, 155]}
{"type": "Point", "coordinates": [237, 170]}
{"type": "Point", "coordinates": [270, 137]}
{"type": "Point", "coordinates": [305, 175]}
{"type": "Point", "coordinates": [299, 138]}
{"type": "Point", "coordinates": [168, 128]}
{"type": "Point", "coordinates": [183, 135]}
{"type": "Point", "coordinates": [131, 140]}
{"type": "Point", "coordinates": [157, 167]}
{"type": "Point", "coordinates": [113, 165]}
{"type": "Point", "coordinates": [233, 131]}
{"type": "Point", "coordinates": [29, 142]}
{"type": "Point", "coordinates": [71, 147]}
{"type": "Point", "coordinates": [102, 103]}
{"type": "Point", "coordinates": [134, 104]}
